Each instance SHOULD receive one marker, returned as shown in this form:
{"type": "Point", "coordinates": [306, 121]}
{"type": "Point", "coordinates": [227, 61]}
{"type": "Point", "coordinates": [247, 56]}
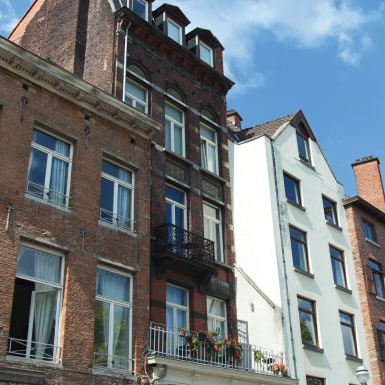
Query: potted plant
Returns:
{"type": "Point", "coordinates": [194, 343]}
{"type": "Point", "coordinates": [258, 356]}
{"type": "Point", "coordinates": [202, 335]}
{"type": "Point", "coordinates": [276, 368]}
{"type": "Point", "coordinates": [182, 331]}
{"type": "Point", "coordinates": [237, 350]}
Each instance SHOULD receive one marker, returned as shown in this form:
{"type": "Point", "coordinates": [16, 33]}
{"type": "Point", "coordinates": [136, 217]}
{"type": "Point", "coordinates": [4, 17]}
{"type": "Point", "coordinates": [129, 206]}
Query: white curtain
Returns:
{"type": "Point", "coordinates": [124, 199]}
{"type": "Point", "coordinates": [46, 268]}
{"type": "Point", "coordinates": [59, 171]}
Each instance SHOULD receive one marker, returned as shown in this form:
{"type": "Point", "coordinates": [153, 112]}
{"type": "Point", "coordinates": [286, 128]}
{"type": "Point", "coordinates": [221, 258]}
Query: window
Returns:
{"type": "Point", "coordinates": [209, 154]}
{"type": "Point", "coordinates": [136, 96]}
{"type": "Point", "coordinates": [36, 305]}
{"type": "Point", "coordinates": [375, 279]}
{"type": "Point", "coordinates": [140, 8]}
{"type": "Point", "coordinates": [307, 321]}
{"type": "Point", "coordinates": [368, 231]}
{"type": "Point", "coordinates": [117, 196]}
{"type": "Point", "coordinates": [299, 249]}
{"type": "Point", "coordinates": [338, 266]}
{"type": "Point", "coordinates": [112, 330]}
{"type": "Point", "coordinates": [381, 340]}
{"type": "Point", "coordinates": [216, 316]}
{"type": "Point", "coordinates": [292, 189]}
{"type": "Point", "coordinates": [174, 31]}
{"type": "Point", "coordinates": [314, 381]}
{"type": "Point", "coordinates": [213, 228]}
{"type": "Point", "coordinates": [177, 315]}
{"type": "Point", "coordinates": [49, 168]}
{"type": "Point", "coordinates": [330, 211]}
{"type": "Point", "coordinates": [175, 207]}
{"type": "Point", "coordinates": [206, 53]}
{"type": "Point", "coordinates": [174, 127]}
{"type": "Point", "coordinates": [303, 143]}
{"type": "Point", "coordinates": [348, 333]}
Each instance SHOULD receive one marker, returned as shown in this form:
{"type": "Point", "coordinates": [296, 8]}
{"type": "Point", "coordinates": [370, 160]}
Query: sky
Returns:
{"type": "Point", "coordinates": [325, 57]}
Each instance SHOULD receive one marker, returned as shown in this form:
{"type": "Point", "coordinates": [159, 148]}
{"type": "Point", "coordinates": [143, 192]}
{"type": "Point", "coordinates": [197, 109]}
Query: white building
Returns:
{"type": "Point", "coordinates": [296, 286]}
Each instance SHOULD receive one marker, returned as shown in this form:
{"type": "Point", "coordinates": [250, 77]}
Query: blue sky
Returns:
{"type": "Point", "coordinates": [322, 56]}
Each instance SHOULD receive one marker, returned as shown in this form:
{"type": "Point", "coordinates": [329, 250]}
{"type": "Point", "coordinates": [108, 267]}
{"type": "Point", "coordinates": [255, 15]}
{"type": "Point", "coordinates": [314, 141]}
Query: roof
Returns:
{"type": "Point", "coordinates": [174, 11]}
{"type": "Point", "coordinates": [364, 205]}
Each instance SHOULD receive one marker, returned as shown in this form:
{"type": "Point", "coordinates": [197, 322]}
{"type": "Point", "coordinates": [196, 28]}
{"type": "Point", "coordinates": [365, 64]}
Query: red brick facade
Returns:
{"type": "Point", "coordinates": [88, 39]}
{"type": "Point", "coordinates": [367, 254]}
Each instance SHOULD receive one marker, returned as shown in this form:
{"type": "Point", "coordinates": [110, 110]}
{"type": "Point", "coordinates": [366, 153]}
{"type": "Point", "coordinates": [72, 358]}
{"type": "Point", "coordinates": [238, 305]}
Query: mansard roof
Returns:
{"type": "Point", "coordinates": [175, 13]}
{"type": "Point", "coordinates": [207, 35]}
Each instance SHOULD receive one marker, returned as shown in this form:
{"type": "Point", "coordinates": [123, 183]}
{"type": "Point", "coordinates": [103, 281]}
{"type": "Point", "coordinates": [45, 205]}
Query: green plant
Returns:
{"type": "Point", "coordinates": [194, 343]}
{"type": "Point", "coordinates": [306, 335]}
{"type": "Point", "coordinates": [258, 356]}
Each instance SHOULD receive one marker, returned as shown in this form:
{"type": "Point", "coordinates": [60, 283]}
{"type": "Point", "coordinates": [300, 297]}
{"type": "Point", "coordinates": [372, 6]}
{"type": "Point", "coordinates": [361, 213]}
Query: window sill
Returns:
{"type": "Point", "coordinates": [223, 265]}
{"type": "Point", "coordinates": [313, 348]}
{"type": "Point", "coordinates": [176, 156]}
{"type": "Point", "coordinates": [380, 298]}
{"type": "Point", "coordinates": [48, 203]}
{"type": "Point", "coordinates": [334, 225]}
{"type": "Point", "coordinates": [308, 164]}
{"type": "Point", "coordinates": [372, 242]}
{"type": "Point", "coordinates": [296, 204]}
{"type": "Point", "coordinates": [212, 174]}
{"type": "Point", "coordinates": [343, 289]}
{"type": "Point", "coordinates": [310, 275]}
{"type": "Point", "coordinates": [33, 362]}
{"type": "Point", "coordinates": [353, 358]}
{"type": "Point", "coordinates": [117, 228]}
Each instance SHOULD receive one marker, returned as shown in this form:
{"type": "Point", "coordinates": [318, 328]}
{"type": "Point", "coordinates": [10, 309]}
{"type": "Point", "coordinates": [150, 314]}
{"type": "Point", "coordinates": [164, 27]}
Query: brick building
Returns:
{"type": "Point", "coordinates": [139, 121]}
{"type": "Point", "coordinates": [366, 222]}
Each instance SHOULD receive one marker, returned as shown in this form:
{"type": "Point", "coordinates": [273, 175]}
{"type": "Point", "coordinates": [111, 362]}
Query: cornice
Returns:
{"type": "Point", "coordinates": [60, 82]}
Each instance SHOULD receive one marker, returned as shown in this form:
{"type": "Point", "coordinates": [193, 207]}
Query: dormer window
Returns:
{"type": "Point", "coordinates": [303, 143]}
{"type": "Point", "coordinates": [174, 31]}
{"type": "Point", "coordinates": [140, 8]}
{"type": "Point", "coordinates": [206, 53]}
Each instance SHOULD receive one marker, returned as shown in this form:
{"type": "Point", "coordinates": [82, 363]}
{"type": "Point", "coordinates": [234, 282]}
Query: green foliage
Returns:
{"type": "Point", "coordinates": [306, 335]}
{"type": "Point", "coordinates": [258, 356]}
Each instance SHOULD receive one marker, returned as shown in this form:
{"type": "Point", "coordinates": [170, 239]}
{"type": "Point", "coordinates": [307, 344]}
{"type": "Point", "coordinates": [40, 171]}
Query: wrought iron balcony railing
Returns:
{"type": "Point", "coordinates": [34, 350]}
{"type": "Point", "coordinates": [182, 242]}
{"type": "Point", "coordinates": [168, 342]}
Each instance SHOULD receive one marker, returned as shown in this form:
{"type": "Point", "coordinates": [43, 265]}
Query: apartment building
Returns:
{"type": "Point", "coordinates": [293, 255]}
{"type": "Point", "coordinates": [365, 217]}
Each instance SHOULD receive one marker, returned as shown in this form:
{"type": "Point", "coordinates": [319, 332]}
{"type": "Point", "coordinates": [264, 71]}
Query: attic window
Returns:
{"type": "Point", "coordinates": [303, 143]}
{"type": "Point", "coordinates": [206, 53]}
{"type": "Point", "coordinates": [174, 31]}
{"type": "Point", "coordinates": [140, 8]}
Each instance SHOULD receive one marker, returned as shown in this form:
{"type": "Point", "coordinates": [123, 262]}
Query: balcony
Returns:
{"type": "Point", "coordinates": [197, 349]}
{"type": "Point", "coordinates": [183, 250]}
{"type": "Point", "coordinates": [47, 194]}
{"type": "Point", "coordinates": [34, 350]}
{"type": "Point", "coordinates": [106, 363]}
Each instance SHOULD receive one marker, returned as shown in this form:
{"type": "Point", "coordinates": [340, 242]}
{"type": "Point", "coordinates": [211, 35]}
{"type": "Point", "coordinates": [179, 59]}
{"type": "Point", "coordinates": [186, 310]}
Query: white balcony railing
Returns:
{"type": "Point", "coordinates": [47, 194]}
{"type": "Point", "coordinates": [34, 350]}
{"type": "Point", "coordinates": [104, 362]}
{"type": "Point", "coordinates": [167, 342]}
{"type": "Point", "coordinates": [116, 220]}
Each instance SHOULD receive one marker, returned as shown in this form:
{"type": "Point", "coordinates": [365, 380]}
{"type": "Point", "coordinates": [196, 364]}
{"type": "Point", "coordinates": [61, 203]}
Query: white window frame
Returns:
{"type": "Point", "coordinates": [215, 221]}
{"type": "Point", "coordinates": [175, 204]}
{"type": "Point", "coordinates": [201, 44]}
{"type": "Point", "coordinates": [50, 154]}
{"type": "Point", "coordinates": [135, 100]}
{"type": "Point", "coordinates": [206, 143]}
{"type": "Point", "coordinates": [146, 6]}
{"type": "Point", "coordinates": [113, 302]}
{"type": "Point", "coordinates": [118, 182]}
{"type": "Point", "coordinates": [215, 317]}
{"type": "Point", "coordinates": [179, 30]}
{"type": "Point", "coordinates": [174, 123]}
{"type": "Point", "coordinates": [176, 306]}
{"type": "Point", "coordinates": [56, 287]}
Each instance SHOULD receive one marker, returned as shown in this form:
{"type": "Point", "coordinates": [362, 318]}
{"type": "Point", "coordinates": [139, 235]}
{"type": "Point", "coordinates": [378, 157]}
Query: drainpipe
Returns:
{"type": "Point", "coordinates": [283, 257]}
{"type": "Point", "coordinates": [163, 375]}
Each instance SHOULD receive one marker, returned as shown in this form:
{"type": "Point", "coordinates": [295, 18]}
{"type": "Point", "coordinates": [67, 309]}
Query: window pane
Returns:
{"type": "Point", "coordinates": [211, 158]}
{"type": "Point", "coordinates": [107, 198]}
{"type": "Point", "coordinates": [134, 90]}
{"type": "Point", "coordinates": [121, 337]}
{"type": "Point", "coordinates": [307, 328]}
{"type": "Point", "coordinates": [58, 181]}
{"type": "Point", "coordinates": [176, 295]}
{"type": "Point", "coordinates": [112, 285]}
{"type": "Point", "coordinates": [174, 113]}
{"type": "Point", "coordinates": [205, 54]}
{"type": "Point", "coordinates": [215, 307]}
{"type": "Point", "coordinates": [139, 7]}
{"type": "Point", "coordinates": [291, 189]}
{"type": "Point", "coordinates": [167, 127]}
{"type": "Point", "coordinates": [37, 171]}
{"type": "Point", "coordinates": [38, 264]}
{"type": "Point", "coordinates": [338, 275]}
{"type": "Point", "coordinates": [298, 249]}
{"type": "Point", "coordinates": [116, 171]}
{"type": "Point", "coordinates": [101, 331]}
{"type": "Point", "coordinates": [178, 140]}
{"type": "Point", "coordinates": [208, 134]}
{"type": "Point", "coordinates": [347, 336]}
{"type": "Point", "coordinates": [174, 31]}
{"type": "Point", "coordinates": [175, 195]}
{"type": "Point", "coordinates": [51, 142]}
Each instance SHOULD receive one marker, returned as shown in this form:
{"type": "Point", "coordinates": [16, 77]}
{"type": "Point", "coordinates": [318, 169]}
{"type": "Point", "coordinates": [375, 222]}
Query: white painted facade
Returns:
{"type": "Point", "coordinates": [262, 215]}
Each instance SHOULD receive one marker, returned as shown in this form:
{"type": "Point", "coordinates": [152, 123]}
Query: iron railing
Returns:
{"type": "Point", "coordinates": [42, 192]}
{"type": "Point", "coordinates": [182, 242]}
{"type": "Point", "coordinates": [116, 220]}
{"type": "Point", "coordinates": [104, 362]}
{"type": "Point", "coordinates": [167, 342]}
{"type": "Point", "coordinates": [34, 350]}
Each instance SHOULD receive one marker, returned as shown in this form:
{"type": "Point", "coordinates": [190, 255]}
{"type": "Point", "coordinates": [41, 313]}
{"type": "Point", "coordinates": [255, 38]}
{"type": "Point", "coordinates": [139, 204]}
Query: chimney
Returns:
{"type": "Point", "coordinates": [234, 118]}
{"type": "Point", "coordinates": [369, 182]}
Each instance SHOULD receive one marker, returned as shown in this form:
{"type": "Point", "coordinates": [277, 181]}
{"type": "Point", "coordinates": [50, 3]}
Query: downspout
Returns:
{"type": "Point", "coordinates": [283, 256]}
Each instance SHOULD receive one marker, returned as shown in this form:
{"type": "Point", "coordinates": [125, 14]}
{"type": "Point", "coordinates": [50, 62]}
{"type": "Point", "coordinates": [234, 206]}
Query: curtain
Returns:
{"type": "Point", "coordinates": [124, 199]}
{"type": "Point", "coordinates": [46, 268]}
{"type": "Point", "coordinates": [59, 171]}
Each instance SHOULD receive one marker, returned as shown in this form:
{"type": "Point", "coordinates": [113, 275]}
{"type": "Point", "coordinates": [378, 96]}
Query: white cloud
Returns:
{"type": "Point", "coordinates": [8, 17]}
{"type": "Point", "coordinates": [302, 24]}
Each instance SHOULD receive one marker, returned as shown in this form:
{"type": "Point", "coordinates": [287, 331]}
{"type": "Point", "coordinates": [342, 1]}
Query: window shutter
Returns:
{"type": "Point", "coordinates": [381, 343]}
{"type": "Point", "coordinates": [370, 281]}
